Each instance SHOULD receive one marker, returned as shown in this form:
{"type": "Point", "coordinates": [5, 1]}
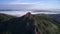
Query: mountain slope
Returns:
{"type": "Point", "coordinates": [46, 25]}
{"type": "Point", "coordinates": [5, 17]}
{"type": "Point", "coordinates": [56, 19]}
{"type": "Point", "coordinates": [29, 24]}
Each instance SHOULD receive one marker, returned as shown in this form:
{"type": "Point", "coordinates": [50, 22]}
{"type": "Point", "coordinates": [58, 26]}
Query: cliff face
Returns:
{"type": "Point", "coordinates": [29, 24]}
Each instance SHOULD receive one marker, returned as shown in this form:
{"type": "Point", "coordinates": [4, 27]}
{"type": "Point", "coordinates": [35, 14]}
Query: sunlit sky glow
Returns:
{"type": "Point", "coordinates": [34, 4]}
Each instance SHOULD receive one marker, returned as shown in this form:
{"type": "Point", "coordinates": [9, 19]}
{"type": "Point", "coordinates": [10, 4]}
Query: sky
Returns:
{"type": "Point", "coordinates": [30, 4]}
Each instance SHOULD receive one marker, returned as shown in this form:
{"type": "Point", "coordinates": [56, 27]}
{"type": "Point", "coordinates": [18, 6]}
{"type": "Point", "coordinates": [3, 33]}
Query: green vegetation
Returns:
{"type": "Point", "coordinates": [29, 24]}
{"type": "Point", "coordinates": [46, 25]}
{"type": "Point", "coordinates": [5, 17]}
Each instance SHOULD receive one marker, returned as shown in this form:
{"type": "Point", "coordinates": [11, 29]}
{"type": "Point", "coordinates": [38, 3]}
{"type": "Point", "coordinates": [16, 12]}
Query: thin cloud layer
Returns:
{"type": "Point", "coordinates": [21, 13]}
{"type": "Point", "coordinates": [38, 4]}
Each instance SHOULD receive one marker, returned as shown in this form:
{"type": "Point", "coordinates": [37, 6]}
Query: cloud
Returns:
{"type": "Point", "coordinates": [24, 2]}
{"type": "Point", "coordinates": [20, 3]}
{"type": "Point", "coordinates": [21, 13]}
{"type": "Point", "coordinates": [27, 6]}
{"type": "Point", "coordinates": [34, 4]}
{"type": "Point", "coordinates": [40, 4]}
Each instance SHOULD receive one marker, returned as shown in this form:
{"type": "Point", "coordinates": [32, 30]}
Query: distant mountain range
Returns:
{"type": "Point", "coordinates": [30, 24]}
